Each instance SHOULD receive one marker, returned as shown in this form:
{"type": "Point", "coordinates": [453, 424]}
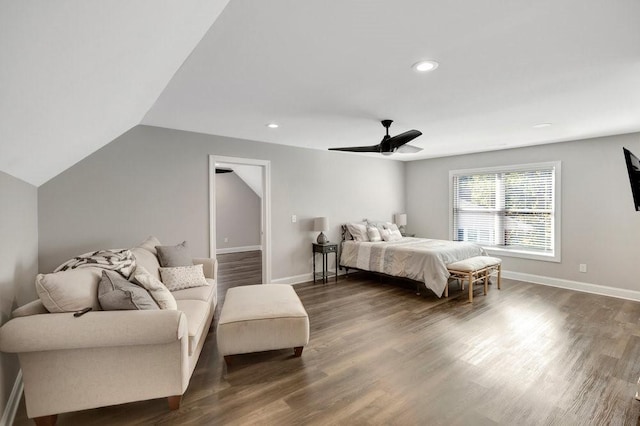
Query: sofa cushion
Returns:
{"type": "Point", "coordinates": [156, 289]}
{"type": "Point", "coordinates": [32, 308]}
{"type": "Point", "coordinates": [150, 245]}
{"type": "Point", "coordinates": [203, 293]}
{"type": "Point", "coordinates": [178, 255]}
{"type": "Point", "coordinates": [117, 294]}
{"type": "Point", "coordinates": [197, 313]}
{"type": "Point", "coordinates": [69, 291]}
{"type": "Point", "coordinates": [181, 277]}
{"type": "Point", "coordinates": [147, 260]}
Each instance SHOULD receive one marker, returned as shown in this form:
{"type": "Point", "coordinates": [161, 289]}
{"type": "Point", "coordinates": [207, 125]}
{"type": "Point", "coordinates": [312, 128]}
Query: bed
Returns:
{"type": "Point", "coordinates": [419, 259]}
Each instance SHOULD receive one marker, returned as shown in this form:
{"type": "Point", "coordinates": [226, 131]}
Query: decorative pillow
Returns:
{"type": "Point", "coordinates": [69, 291]}
{"type": "Point", "coordinates": [177, 255]}
{"type": "Point", "coordinates": [385, 234]}
{"type": "Point", "coordinates": [181, 277]}
{"type": "Point", "coordinates": [374, 234]}
{"type": "Point", "coordinates": [358, 231]}
{"type": "Point", "coordinates": [156, 289]}
{"type": "Point", "coordinates": [117, 294]}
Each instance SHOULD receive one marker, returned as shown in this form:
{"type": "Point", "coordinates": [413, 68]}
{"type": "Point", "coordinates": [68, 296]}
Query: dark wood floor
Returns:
{"type": "Point", "coordinates": [242, 268]}
{"type": "Point", "coordinates": [379, 354]}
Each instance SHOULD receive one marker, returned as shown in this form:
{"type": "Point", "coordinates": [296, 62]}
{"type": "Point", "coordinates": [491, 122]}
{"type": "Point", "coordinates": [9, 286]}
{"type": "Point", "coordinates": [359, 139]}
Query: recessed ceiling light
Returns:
{"type": "Point", "coordinates": [541, 125]}
{"type": "Point", "coordinates": [272, 126]}
{"type": "Point", "coordinates": [425, 66]}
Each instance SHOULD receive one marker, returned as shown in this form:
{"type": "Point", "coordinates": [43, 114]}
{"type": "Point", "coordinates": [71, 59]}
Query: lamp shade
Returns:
{"type": "Point", "coordinates": [401, 219]}
{"type": "Point", "coordinates": [321, 224]}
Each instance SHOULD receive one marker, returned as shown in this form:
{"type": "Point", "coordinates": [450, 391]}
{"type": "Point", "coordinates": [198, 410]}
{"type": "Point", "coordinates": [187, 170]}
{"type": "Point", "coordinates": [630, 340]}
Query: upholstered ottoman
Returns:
{"type": "Point", "coordinates": [262, 317]}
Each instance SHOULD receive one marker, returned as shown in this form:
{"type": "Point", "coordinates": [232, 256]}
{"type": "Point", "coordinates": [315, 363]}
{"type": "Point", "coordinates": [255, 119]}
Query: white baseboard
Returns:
{"type": "Point", "coordinates": [297, 279]}
{"type": "Point", "coordinates": [237, 249]}
{"type": "Point", "coordinates": [11, 408]}
{"type": "Point", "coordinates": [574, 285]}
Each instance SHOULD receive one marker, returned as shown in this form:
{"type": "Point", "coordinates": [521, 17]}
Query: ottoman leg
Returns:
{"type": "Point", "coordinates": [297, 351]}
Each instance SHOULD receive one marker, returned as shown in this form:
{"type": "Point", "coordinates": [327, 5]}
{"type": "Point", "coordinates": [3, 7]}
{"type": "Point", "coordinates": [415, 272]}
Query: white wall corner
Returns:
{"type": "Point", "coordinates": [13, 402]}
{"type": "Point", "coordinates": [574, 285]}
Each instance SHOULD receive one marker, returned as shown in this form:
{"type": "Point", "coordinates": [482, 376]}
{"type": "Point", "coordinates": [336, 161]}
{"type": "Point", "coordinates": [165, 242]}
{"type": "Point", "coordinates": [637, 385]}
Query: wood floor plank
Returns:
{"type": "Point", "coordinates": [380, 354]}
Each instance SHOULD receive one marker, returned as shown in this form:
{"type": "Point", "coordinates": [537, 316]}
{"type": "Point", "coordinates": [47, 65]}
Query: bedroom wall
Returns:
{"type": "Point", "coordinates": [19, 266]}
{"type": "Point", "coordinates": [238, 213]}
{"type": "Point", "coordinates": [154, 181]}
{"type": "Point", "coordinates": [599, 224]}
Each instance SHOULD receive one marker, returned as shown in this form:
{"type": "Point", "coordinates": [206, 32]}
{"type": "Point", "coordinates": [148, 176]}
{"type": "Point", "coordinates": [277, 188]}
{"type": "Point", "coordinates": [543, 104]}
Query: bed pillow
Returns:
{"type": "Point", "coordinates": [395, 232]}
{"type": "Point", "coordinates": [358, 231]}
{"type": "Point", "coordinates": [374, 234]}
{"type": "Point", "coordinates": [181, 277]}
{"type": "Point", "coordinates": [171, 256]}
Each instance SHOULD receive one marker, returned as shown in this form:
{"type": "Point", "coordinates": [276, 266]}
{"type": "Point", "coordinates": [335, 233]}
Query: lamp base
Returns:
{"type": "Point", "coordinates": [322, 239]}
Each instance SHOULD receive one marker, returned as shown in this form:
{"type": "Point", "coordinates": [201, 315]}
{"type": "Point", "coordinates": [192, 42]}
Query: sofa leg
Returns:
{"type": "Point", "coordinates": [174, 402]}
{"type": "Point", "coordinates": [297, 351]}
{"type": "Point", "coordinates": [46, 420]}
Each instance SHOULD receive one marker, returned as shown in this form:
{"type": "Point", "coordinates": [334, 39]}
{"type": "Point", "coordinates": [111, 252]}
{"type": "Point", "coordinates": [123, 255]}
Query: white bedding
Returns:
{"type": "Point", "coordinates": [419, 259]}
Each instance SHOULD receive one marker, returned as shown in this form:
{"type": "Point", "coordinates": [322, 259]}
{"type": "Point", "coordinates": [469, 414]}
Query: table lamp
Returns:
{"type": "Point", "coordinates": [321, 224]}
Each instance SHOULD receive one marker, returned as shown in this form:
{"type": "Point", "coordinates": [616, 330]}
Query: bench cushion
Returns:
{"type": "Point", "coordinates": [474, 263]}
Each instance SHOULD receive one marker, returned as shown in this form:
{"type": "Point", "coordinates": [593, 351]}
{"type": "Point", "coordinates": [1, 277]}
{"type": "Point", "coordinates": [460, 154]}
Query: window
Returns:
{"type": "Point", "coordinates": [513, 210]}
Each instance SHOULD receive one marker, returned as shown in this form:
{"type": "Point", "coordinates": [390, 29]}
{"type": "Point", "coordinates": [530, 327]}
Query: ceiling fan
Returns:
{"type": "Point", "coordinates": [389, 144]}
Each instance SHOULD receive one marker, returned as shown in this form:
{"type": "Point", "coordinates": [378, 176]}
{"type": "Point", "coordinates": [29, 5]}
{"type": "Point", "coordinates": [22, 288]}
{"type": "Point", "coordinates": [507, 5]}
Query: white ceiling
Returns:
{"type": "Point", "coordinates": [328, 70]}
{"type": "Point", "coordinates": [77, 74]}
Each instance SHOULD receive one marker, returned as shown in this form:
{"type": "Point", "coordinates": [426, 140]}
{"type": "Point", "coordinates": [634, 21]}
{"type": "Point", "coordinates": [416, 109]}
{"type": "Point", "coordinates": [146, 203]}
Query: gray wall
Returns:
{"type": "Point", "coordinates": [237, 213]}
{"type": "Point", "coordinates": [599, 224]}
{"type": "Point", "coordinates": [19, 265]}
{"type": "Point", "coordinates": [154, 181]}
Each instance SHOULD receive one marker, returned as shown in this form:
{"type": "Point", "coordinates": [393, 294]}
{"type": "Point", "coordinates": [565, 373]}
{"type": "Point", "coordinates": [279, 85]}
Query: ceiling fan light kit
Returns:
{"type": "Point", "coordinates": [389, 144]}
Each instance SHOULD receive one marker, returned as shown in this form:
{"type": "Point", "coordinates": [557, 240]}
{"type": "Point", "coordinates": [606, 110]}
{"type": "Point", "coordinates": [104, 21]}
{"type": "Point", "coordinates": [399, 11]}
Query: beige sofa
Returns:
{"type": "Point", "coordinates": [111, 357]}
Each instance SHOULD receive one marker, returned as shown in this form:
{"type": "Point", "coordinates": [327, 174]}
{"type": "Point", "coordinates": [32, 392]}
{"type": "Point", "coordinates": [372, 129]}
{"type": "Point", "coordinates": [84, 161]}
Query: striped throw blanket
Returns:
{"type": "Point", "coordinates": [119, 260]}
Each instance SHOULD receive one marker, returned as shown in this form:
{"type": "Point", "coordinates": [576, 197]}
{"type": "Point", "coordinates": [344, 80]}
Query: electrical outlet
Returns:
{"type": "Point", "coordinates": [583, 267]}
{"type": "Point", "coordinates": [294, 219]}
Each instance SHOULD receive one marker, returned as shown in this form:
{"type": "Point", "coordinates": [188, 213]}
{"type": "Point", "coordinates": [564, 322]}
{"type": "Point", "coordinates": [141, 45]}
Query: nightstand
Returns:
{"type": "Point", "coordinates": [325, 250]}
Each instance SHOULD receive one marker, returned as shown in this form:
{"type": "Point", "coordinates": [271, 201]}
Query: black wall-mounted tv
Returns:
{"type": "Point", "coordinates": [633, 167]}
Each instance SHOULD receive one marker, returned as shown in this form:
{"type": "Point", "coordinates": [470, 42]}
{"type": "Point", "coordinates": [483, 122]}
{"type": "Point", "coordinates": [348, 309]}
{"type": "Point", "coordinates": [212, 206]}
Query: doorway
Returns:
{"type": "Point", "coordinates": [239, 211]}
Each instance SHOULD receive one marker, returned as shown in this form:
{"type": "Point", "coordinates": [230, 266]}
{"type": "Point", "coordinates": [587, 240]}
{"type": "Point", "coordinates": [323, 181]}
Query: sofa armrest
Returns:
{"type": "Point", "coordinates": [50, 332]}
{"type": "Point", "coordinates": [209, 265]}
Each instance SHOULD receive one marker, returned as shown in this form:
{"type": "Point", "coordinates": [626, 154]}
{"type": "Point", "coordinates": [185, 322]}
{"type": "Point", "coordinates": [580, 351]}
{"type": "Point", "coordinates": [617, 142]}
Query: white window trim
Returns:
{"type": "Point", "coordinates": [557, 220]}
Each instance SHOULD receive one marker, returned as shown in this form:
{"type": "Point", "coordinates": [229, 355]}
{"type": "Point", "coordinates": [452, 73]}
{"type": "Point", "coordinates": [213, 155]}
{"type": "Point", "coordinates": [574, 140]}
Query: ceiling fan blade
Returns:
{"type": "Point", "coordinates": [408, 149]}
{"type": "Point", "coordinates": [398, 140]}
{"type": "Point", "coordinates": [372, 148]}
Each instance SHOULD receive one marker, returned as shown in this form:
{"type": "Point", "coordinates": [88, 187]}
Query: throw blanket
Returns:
{"type": "Point", "coordinates": [121, 261]}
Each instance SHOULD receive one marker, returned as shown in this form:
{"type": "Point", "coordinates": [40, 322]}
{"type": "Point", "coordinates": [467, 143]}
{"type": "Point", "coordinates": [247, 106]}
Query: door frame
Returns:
{"type": "Point", "coordinates": [265, 238]}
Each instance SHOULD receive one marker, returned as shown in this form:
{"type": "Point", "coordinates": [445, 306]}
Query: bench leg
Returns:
{"type": "Point", "coordinates": [446, 290]}
{"type": "Point", "coordinates": [486, 281]}
{"type": "Point", "coordinates": [297, 351]}
{"type": "Point", "coordinates": [499, 270]}
{"type": "Point", "coordinates": [470, 278]}
{"type": "Point", "coordinates": [46, 420]}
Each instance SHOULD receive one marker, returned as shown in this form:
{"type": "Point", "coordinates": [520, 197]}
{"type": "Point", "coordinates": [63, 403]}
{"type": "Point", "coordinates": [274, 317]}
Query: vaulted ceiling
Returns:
{"type": "Point", "coordinates": [77, 74]}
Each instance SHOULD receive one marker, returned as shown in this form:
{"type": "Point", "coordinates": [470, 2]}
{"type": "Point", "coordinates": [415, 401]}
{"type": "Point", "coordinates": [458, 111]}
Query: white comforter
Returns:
{"type": "Point", "coordinates": [419, 259]}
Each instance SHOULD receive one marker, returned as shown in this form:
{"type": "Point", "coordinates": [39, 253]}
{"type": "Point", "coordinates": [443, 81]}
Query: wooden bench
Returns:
{"type": "Point", "coordinates": [474, 269]}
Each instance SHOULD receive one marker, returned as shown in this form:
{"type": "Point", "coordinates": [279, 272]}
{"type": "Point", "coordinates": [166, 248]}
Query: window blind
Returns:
{"type": "Point", "coordinates": [511, 209]}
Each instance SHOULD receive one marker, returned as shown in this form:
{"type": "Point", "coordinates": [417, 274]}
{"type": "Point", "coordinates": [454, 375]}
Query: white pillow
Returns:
{"type": "Point", "coordinates": [70, 290]}
{"type": "Point", "coordinates": [156, 289]}
{"type": "Point", "coordinates": [374, 234]}
{"type": "Point", "coordinates": [388, 235]}
{"type": "Point", "coordinates": [385, 234]}
{"type": "Point", "coordinates": [181, 277]}
{"type": "Point", "coordinates": [358, 231]}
